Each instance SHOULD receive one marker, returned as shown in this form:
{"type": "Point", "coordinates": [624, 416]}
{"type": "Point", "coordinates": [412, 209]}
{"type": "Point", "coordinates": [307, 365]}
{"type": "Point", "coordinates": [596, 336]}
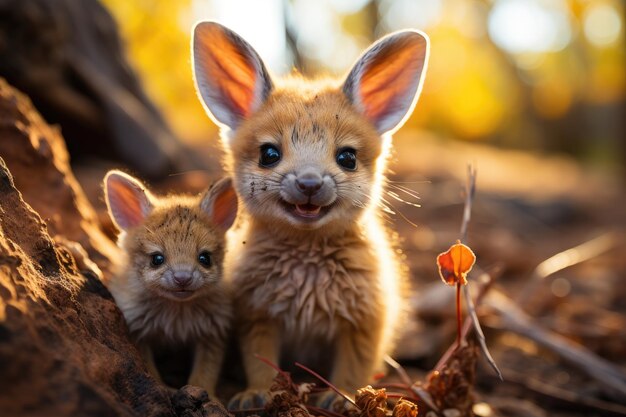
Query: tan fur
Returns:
{"type": "Point", "coordinates": [312, 267]}
{"type": "Point", "coordinates": [178, 228]}
{"type": "Point", "coordinates": [340, 284]}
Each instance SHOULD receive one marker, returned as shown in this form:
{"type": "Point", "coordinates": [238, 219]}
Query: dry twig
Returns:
{"type": "Point", "coordinates": [479, 331]}
{"type": "Point", "coordinates": [561, 398]}
{"type": "Point", "coordinates": [470, 191]}
{"type": "Point", "coordinates": [325, 381]}
{"type": "Point", "coordinates": [409, 385]}
{"type": "Point", "coordinates": [565, 259]}
{"type": "Point", "coordinates": [515, 320]}
{"type": "Point", "coordinates": [488, 280]}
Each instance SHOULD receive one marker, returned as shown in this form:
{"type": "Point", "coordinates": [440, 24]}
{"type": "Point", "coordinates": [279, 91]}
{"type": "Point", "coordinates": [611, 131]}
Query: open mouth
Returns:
{"type": "Point", "coordinates": [306, 212]}
{"type": "Point", "coordinates": [182, 294]}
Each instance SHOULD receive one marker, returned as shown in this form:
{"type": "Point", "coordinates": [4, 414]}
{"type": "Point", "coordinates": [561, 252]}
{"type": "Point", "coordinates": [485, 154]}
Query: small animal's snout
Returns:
{"type": "Point", "coordinates": [182, 279]}
{"type": "Point", "coordinates": [309, 184]}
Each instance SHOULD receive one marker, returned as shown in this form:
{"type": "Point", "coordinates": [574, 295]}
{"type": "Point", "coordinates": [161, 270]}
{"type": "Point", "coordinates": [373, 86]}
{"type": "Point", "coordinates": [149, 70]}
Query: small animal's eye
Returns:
{"type": "Point", "coordinates": [205, 258]}
{"type": "Point", "coordinates": [346, 158]}
{"type": "Point", "coordinates": [270, 155]}
{"type": "Point", "coordinates": [157, 259]}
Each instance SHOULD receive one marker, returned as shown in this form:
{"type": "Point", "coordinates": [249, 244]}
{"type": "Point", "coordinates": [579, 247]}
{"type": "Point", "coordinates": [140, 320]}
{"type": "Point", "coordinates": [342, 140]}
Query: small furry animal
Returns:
{"type": "Point", "coordinates": [313, 269]}
{"type": "Point", "coordinates": [169, 284]}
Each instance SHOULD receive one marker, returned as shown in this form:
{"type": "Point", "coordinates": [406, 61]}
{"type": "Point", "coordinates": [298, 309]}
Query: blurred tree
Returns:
{"type": "Point", "coordinates": [158, 35]}
{"type": "Point", "coordinates": [67, 56]}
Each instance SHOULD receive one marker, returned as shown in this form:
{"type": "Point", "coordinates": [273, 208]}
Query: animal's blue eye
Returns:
{"type": "Point", "coordinates": [346, 158]}
{"type": "Point", "coordinates": [205, 258]}
{"type": "Point", "coordinates": [270, 155]}
{"type": "Point", "coordinates": [157, 259]}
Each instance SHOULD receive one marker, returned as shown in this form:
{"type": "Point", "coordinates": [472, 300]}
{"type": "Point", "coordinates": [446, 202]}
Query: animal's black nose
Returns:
{"type": "Point", "coordinates": [182, 279]}
{"type": "Point", "coordinates": [309, 184]}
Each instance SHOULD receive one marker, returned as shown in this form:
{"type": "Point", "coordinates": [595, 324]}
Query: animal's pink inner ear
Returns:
{"type": "Point", "coordinates": [127, 202]}
{"type": "Point", "coordinates": [388, 78]}
{"type": "Point", "coordinates": [228, 69]}
{"type": "Point", "coordinates": [384, 83]}
{"type": "Point", "coordinates": [230, 76]}
{"type": "Point", "coordinates": [225, 208]}
{"type": "Point", "coordinates": [220, 203]}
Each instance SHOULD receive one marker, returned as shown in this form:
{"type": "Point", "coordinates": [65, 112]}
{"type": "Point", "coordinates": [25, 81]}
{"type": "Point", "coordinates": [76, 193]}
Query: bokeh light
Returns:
{"type": "Point", "coordinates": [530, 25]}
{"type": "Point", "coordinates": [602, 24]}
{"type": "Point", "coordinates": [517, 73]}
{"type": "Point", "coordinates": [422, 14]}
{"type": "Point", "coordinates": [244, 16]}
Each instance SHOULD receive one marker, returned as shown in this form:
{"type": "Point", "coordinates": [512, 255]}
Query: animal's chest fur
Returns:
{"type": "Point", "coordinates": [310, 287]}
{"type": "Point", "coordinates": [153, 319]}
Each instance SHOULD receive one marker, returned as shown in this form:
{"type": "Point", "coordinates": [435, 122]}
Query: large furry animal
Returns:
{"type": "Point", "coordinates": [313, 269]}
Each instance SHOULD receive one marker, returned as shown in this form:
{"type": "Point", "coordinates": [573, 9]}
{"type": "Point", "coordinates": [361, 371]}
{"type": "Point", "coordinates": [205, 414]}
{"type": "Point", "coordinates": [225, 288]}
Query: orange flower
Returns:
{"type": "Point", "coordinates": [455, 264]}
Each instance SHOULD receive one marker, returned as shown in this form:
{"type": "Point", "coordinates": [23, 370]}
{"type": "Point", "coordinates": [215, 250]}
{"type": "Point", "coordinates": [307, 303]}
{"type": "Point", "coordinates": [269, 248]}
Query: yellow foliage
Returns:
{"type": "Point", "coordinates": [467, 85]}
{"type": "Point", "coordinates": [472, 87]}
{"type": "Point", "coordinates": [157, 37]}
{"type": "Point", "coordinates": [552, 98]}
{"type": "Point", "coordinates": [608, 78]}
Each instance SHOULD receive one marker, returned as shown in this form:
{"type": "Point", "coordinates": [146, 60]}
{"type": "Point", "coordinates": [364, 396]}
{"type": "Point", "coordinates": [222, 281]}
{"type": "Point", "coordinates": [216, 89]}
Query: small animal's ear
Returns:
{"type": "Point", "coordinates": [230, 76]}
{"type": "Point", "coordinates": [127, 199]}
{"type": "Point", "coordinates": [386, 80]}
{"type": "Point", "coordinates": [220, 203]}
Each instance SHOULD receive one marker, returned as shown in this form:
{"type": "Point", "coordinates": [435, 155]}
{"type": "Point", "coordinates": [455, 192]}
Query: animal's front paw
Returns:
{"type": "Point", "coordinates": [250, 398]}
{"type": "Point", "coordinates": [332, 401]}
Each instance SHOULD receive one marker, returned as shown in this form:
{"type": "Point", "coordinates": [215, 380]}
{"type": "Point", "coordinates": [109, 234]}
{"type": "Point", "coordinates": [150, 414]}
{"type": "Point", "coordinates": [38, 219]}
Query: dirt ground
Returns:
{"type": "Point", "coordinates": [537, 314]}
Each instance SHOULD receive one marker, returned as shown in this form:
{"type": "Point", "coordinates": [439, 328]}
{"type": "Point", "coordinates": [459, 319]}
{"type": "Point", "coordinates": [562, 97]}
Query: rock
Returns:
{"type": "Point", "coordinates": [35, 154]}
{"type": "Point", "coordinates": [68, 56]}
{"type": "Point", "coordinates": [64, 345]}
{"type": "Point", "coordinates": [190, 401]}
{"type": "Point", "coordinates": [190, 397]}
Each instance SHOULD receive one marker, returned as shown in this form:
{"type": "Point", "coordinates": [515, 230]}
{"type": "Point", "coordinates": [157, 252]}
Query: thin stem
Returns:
{"type": "Point", "coordinates": [404, 397]}
{"type": "Point", "coordinates": [399, 369]}
{"type": "Point", "coordinates": [459, 320]}
{"type": "Point", "coordinates": [470, 190]}
{"type": "Point", "coordinates": [411, 387]}
{"type": "Point", "coordinates": [324, 380]}
{"type": "Point", "coordinates": [277, 369]}
{"type": "Point", "coordinates": [479, 332]}
{"type": "Point", "coordinates": [395, 385]}
{"type": "Point", "coordinates": [565, 259]}
{"type": "Point", "coordinates": [469, 322]}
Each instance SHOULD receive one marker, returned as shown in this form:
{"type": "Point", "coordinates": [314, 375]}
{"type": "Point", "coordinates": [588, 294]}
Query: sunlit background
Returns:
{"type": "Point", "coordinates": [541, 75]}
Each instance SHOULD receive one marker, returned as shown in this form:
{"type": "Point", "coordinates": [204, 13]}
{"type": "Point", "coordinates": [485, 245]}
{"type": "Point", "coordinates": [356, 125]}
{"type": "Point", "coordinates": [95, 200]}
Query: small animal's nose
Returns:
{"type": "Point", "coordinates": [182, 279]}
{"type": "Point", "coordinates": [309, 184]}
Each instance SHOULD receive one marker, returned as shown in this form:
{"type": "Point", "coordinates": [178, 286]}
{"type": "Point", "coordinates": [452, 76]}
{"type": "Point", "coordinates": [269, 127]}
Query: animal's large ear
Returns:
{"type": "Point", "coordinates": [230, 76]}
{"type": "Point", "coordinates": [220, 203]}
{"type": "Point", "coordinates": [386, 80]}
{"type": "Point", "coordinates": [127, 199]}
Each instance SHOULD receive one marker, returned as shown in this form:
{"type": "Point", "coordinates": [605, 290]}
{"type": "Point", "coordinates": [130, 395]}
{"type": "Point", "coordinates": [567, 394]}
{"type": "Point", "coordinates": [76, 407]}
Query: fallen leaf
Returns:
{"type": "Point", "coordinates": [455, 264]}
